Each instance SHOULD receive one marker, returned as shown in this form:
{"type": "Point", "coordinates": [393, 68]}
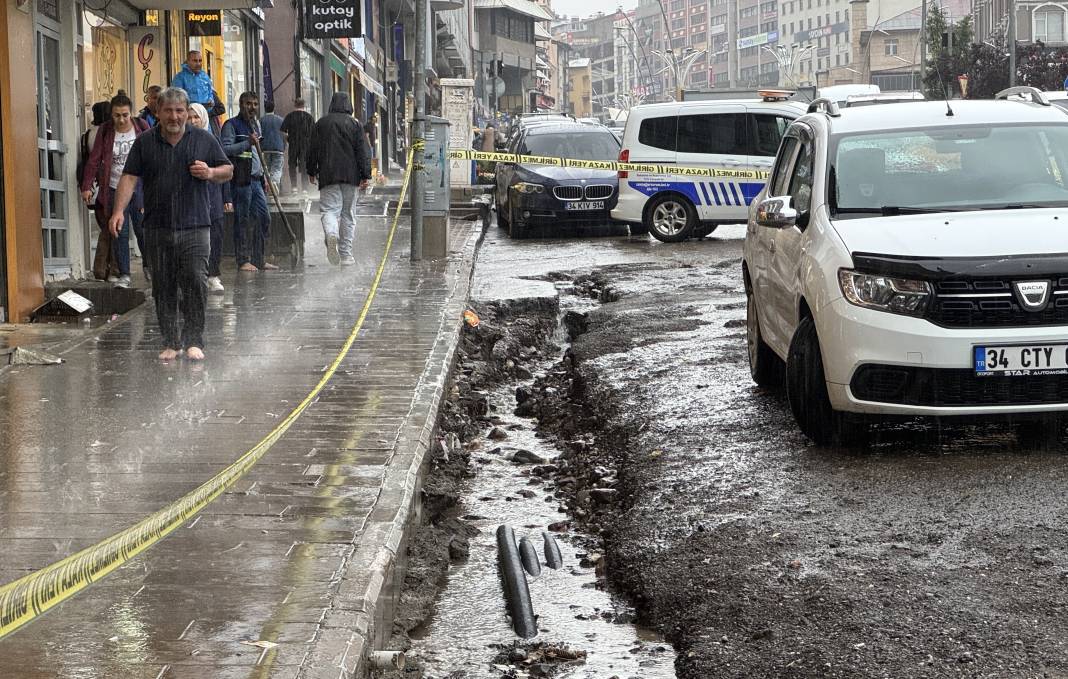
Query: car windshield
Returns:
{"type": "Point", "coordinates": [582, 143]}
{"type": "Point", "coordinates": [949, 168]}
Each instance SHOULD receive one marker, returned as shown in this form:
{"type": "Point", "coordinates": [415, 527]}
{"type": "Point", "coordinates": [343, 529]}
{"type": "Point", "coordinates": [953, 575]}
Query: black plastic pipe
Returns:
{"type": "Point", "coordinates": [553, 558]}
{"type": "Point", "coordinates": [529, 555]}
{"type": "Point", "coordinates": [514, 581]}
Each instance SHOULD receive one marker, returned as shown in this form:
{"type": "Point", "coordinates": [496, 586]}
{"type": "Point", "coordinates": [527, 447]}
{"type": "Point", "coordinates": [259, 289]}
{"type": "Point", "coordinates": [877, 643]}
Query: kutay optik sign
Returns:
{"type": "Point", "coordinates": [332, 18]}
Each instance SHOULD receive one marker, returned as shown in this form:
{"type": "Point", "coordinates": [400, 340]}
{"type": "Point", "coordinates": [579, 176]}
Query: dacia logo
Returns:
{"type": "Point", "coordinates": [1033, 295]}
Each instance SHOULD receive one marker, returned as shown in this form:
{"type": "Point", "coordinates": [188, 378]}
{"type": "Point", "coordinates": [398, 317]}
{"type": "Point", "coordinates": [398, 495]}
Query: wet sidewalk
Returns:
{"type": "Point", "coordinates": [283, 575]}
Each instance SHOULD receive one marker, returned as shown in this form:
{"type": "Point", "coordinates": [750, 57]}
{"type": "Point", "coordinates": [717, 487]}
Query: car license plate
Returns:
{"type": "Point", "coordinates": [1025, 359]}
{"type": "Point", "coordinates": [584, 205]}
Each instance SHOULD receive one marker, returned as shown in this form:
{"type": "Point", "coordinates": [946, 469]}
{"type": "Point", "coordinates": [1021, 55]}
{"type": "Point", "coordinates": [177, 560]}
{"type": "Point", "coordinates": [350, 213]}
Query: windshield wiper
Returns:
{"type": "Point", "coordinates": [893, 210]}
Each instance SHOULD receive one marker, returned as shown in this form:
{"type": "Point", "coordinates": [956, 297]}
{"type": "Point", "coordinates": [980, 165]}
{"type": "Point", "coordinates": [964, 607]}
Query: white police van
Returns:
{"type": "Point", "coordinates": [740, 135]}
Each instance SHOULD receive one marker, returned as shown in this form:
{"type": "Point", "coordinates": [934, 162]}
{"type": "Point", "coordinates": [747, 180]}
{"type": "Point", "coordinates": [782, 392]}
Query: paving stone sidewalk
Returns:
{"type": "Point", "coordinates": [284, 574]}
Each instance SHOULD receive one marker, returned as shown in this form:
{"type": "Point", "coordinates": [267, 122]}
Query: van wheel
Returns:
{"type": "Point", "coordinates": [764, 365]}
{"type": "Point", "coordinates": [806, 389]}
{"type": "Point", "coordinates": [704, 230]}
{"type": "Point", "coordinates": [670, 218]}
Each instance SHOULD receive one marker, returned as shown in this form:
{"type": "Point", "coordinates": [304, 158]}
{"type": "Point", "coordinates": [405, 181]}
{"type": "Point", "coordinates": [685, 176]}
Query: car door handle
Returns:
{"type": "Point", "coordinates": [732, 162]}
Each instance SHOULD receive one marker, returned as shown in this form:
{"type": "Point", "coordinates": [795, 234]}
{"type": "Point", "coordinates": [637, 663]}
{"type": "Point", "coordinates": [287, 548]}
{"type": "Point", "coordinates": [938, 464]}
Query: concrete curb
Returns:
{"type": "Point", "coordinates": [360, 619]}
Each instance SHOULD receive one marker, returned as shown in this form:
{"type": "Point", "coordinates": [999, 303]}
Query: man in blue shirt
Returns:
{"type": "Point", "coordinates": [175, 161]}
{"type": "Point", "coordinates": [252, 221]}
{"type": "Point", "coordinates": [272, 143]}
{"type": "Point", "coordinates": [196, 83]}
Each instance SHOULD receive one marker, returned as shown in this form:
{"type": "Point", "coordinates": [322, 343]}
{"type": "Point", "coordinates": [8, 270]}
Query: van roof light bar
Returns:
{"type": "Point", "coordinates": [825, 105]}
{"type": "Point", "coordinates": [1024, 90]}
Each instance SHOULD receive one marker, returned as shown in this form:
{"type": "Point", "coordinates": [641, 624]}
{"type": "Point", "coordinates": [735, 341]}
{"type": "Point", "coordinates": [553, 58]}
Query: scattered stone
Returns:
{"type": "Point", "coordinates": [604, 495]}
{"type": "Point", "coordinates": [526, 493]}
{"type": "Point", "coordinates": [497, 434]}
{"type": "Point", "coordinates": [560, 526]}
{"type": "Point", "coordinates": [524, 456]}
{"type": "Point", "coordinates": [459, 549]}
{"type": "Point", "coordinates": [735, 323]}
{"type": "Point", "coordinates": [966, 657]}
{"type": "Point", "coordinates": [765, 633]}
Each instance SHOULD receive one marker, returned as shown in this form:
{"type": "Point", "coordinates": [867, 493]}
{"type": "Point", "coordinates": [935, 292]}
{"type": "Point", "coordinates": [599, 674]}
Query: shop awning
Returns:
{"type": "Point", "coordinates": [193, 4]}
{"type": "Point", "coordinates": [519, 6]}
{"type": "Point", "coordinates": [541, 33]}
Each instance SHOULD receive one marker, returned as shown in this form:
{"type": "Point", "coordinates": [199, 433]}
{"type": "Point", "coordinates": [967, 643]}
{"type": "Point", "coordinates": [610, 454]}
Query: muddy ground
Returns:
{"type": "Point", "coordinates": [938, 551]}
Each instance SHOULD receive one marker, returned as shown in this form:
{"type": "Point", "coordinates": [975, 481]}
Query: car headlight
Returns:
{"type": "Point", "coordinates": [884, 293]}
{"type": "Point", "coordinates": [528, 187]}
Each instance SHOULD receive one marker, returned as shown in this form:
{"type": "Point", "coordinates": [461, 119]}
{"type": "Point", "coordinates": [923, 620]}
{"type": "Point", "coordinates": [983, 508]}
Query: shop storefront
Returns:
{"type": "Point", "coordinates": [311, 78]}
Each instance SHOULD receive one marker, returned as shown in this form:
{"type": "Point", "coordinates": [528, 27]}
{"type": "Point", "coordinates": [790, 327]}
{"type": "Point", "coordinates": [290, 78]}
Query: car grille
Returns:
{"type": "Point", "coordinates": [568, 192]}
{"type": "Point", "coordinates": [599, 191]}
{"type": "Point", "coordinates": [991, 303]}
{"type": "Point", "coordinates": [949, 388]}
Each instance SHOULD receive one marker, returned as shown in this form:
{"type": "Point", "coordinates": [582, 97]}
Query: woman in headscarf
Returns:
{"type": "Point", "coordinates": [220, 203]}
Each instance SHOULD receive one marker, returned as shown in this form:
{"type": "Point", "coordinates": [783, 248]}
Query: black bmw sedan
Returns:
{"type": "Point", "coordinates": [531, 196]}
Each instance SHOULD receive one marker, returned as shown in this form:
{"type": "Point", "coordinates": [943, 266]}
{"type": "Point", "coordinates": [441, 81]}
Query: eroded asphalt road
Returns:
{"type": "Point", "coordinates": [940, 551]}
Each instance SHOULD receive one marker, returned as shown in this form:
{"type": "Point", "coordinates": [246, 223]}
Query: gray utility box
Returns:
{"type": "Point", "coordinates": [435, 160]}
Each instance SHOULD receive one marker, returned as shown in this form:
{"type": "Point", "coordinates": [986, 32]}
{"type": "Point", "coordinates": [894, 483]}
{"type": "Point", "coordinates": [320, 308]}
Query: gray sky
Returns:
{"type": "Point", "coordinates": [585, 8]}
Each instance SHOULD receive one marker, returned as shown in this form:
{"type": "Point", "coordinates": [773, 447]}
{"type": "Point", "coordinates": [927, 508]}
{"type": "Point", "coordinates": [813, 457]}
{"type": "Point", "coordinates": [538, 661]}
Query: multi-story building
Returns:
{"type": "Point", "coordinates": [507, 53]}
{"type": "Point", "coordinates": [1035, 20]}
{"type": "Point", "coordinates": [580, 87]}
{"type": "Point", "coordinates": [816, 38]}
{"type": "Point", "coordinates": [595, 38]}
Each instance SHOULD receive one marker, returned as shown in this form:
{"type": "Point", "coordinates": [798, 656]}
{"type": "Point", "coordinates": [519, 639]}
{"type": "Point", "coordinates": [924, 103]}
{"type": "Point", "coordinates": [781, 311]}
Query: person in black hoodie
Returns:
{"type": "Point", "coordinates": [339, 160]}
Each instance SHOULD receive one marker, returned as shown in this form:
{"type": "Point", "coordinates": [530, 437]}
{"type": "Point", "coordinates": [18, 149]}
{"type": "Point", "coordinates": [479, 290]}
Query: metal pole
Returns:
{"type": "Point", "coordinates": [732, 45]}
{"type": "Point", "coordinates": [419, 129]}
{"type": "Point", "coordinates": [923, 43]}
{"type": "Point", "coordinates": [1012, 43]}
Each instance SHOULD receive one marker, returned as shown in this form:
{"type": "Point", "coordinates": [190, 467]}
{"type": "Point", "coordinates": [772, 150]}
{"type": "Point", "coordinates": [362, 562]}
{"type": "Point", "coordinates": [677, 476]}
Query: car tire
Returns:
{"type": "Point", "coordinates": [704, 230]}
{"type": "Point", "coordinates": [806, 390]}
{"type": "Point", "coordinates": [765, 366]}
{"type": "Point", "coordinates": [502, 219]}
{"type": "Point", "coordinates": [516, 227]}
{"type": "Point", "coordinates": [670, 218]}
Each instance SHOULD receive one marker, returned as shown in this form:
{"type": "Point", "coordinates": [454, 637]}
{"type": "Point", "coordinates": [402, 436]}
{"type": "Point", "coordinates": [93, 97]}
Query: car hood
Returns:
{"type": "Point", "coordinates": [562, 174]}
{"type": "Point", "coordinates": [958, 234]}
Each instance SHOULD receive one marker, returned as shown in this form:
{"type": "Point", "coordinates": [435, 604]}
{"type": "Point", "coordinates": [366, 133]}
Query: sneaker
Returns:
{"type": "Point", "coordinates": [113, 279]}
{"type": "Point", "coordinates": [214, 284]}
{"type": "Point", "coordinates": [122, 281]}
{"type": "Point", "coordinates": [348, 260]}
{"type": "Point", "coordinates": [331, 250]}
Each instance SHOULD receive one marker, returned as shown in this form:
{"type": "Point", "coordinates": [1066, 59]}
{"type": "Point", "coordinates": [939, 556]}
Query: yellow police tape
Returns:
{"type": "Point", "coordinates": [656, 168]}
{"type": "Point", "coordinates": [31, 595]}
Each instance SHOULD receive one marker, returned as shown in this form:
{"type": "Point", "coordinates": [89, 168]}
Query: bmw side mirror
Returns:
{"type": "Point", "coordinates": [776, 213]}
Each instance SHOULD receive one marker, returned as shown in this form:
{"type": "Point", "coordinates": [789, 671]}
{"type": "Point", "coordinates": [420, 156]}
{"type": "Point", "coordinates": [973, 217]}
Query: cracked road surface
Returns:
{"type": "Point", "coordinates": [938, 551]}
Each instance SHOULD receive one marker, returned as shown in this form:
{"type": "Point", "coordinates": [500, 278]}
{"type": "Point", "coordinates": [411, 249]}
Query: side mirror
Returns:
{"type": "Point", "coordinates": [776, 213]}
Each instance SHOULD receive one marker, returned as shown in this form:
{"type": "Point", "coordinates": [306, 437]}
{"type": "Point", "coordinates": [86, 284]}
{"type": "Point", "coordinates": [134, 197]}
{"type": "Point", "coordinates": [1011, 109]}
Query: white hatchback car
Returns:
{"type": "Point", "coordinates": [912, 259]}
{"type": "Point", "coordinates": [724, 135]}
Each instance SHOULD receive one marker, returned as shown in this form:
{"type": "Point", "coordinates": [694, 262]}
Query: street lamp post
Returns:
{"type": "Point", "coordinates": [786, 57]}
{"type": "Point", "coordinates": [679, 66]}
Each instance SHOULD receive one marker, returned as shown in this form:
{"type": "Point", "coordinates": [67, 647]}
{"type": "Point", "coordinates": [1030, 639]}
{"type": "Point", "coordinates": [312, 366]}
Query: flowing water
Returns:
{"type": "Point", "coordinates": [470, 620]}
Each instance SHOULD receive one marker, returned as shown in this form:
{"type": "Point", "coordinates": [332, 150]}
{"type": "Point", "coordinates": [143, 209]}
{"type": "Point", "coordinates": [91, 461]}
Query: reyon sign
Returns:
{"type": "Point", "coordinates": [332, 19]}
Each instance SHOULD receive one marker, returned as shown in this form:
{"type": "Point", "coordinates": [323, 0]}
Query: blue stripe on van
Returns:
{"type": "Point", "coordinates": [750, 190]}
{"type": "Point", "coordinates": [715, 194]}
{"type": "Point", "coordinates": [737, 200]}
{"type": "Point", "coordinates": [704, 190]}
{"type": "Point", "coordinates": [726, 194]}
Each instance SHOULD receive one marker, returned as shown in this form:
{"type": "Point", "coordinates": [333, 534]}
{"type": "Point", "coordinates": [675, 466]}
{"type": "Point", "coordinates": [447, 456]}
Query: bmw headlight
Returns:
{"type": "Point", "coordinates": [884, 293]}
{"type": "Point", "coordinates": [528, 187]}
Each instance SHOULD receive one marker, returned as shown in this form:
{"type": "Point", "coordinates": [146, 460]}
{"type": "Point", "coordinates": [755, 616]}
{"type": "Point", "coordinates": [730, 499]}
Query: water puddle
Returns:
{"type": "Point", "coordinates": [469, 624]}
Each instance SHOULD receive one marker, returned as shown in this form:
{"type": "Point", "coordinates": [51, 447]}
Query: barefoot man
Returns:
{"type": "Point", "coordinates": [175, 162]}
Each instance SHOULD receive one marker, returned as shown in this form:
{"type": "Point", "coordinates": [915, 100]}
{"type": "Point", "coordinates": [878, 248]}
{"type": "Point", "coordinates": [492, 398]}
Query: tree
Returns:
{"type": "Point", "coordinates": [989, 70]}
{"type": "Point", "coordinates": [949, 53]}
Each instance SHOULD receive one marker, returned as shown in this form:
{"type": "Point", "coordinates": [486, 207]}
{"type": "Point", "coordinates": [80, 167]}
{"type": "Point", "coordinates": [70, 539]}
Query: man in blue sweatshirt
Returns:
{"type": "Point", "coordinates": [195, 81]}
{"type": "Point", "coordinates": [252, 220]}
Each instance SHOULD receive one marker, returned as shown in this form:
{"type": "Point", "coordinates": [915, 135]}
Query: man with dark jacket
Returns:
{"type": "Point", "coordinates": [296, 131]}
{"type": "Point", "coordinates": [339, 161]}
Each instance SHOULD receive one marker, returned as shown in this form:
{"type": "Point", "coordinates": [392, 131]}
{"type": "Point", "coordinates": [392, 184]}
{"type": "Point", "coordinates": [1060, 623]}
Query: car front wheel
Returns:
{"type": "Point", "coordinates": [806, 389]}
{"type": "Point", "coordinates": [670, 218]}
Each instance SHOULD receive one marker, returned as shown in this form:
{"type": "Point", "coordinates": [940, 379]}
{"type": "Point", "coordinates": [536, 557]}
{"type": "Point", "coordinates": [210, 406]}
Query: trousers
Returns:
{"type": "Point", "coordinates": [252, 222]}
{"type": "Point", "coordinates": [179, 283]}
{"type": "Point", "coordinates": [336, 204]}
